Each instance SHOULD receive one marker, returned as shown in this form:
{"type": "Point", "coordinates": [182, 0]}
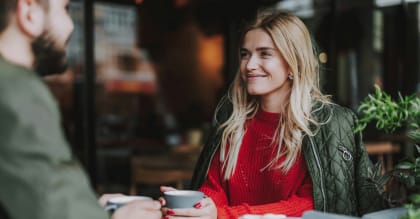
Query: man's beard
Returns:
{"type": "Point", "coordinates": [49, 59]}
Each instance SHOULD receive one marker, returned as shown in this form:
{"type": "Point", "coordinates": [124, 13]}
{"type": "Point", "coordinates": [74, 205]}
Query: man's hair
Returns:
{"type": "Point", "coordinates": [7, 8]}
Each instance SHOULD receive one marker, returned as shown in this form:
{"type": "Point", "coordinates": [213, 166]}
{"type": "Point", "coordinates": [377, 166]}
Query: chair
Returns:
{"type": "Point", "coordinates": [161, 170]}
{"type": "Point", "coordinates": [384, 152]}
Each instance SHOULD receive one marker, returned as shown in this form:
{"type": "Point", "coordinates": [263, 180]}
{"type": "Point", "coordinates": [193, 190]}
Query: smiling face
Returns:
{"type": "Point", "coordinates": [263, 69]}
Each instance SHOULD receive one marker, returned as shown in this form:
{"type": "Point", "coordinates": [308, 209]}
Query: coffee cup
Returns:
{"type": "Point", "coordinates": [117, 202]}
{"type": "Point", "coordinates": [182, 198]}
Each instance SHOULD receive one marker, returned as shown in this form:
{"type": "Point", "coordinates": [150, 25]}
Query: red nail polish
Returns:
{"type": "Point", "coordinates": [170, 212]}
{"type": "Point", "coordinates": [198, 205]}
{"type": "Point", "coordinates": [166, 217]}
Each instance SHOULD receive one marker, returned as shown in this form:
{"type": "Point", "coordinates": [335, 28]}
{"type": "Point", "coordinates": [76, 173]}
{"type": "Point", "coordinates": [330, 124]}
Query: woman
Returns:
{"type": "Point", "coordinates": [280, 146]}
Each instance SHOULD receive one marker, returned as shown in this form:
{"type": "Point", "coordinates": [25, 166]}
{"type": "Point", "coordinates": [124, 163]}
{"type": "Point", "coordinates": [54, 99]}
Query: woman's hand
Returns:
{"type": "Point", "coordinates": [205, 209]}
{"type": "Point", "coordinates": [165, 189]}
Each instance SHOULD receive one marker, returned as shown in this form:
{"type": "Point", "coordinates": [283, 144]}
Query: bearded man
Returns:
{"type": "Point", "coordinates": [39, 177]}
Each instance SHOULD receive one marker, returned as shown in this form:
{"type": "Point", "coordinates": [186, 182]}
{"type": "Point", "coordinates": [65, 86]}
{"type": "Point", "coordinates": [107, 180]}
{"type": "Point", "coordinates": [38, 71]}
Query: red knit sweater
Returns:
{"type": "Point", "coordinates": [252, 191]}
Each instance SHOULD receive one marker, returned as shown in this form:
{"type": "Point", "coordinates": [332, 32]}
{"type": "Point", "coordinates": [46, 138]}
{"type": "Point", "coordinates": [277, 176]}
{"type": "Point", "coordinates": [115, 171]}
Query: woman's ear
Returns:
{"type": "Point", "coordinates": [30, 17]}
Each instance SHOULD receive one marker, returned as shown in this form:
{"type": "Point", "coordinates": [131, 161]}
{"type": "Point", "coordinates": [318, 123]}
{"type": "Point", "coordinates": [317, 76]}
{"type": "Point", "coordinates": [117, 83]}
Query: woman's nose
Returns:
{"type": "Point", "coordinates": [252, 63]}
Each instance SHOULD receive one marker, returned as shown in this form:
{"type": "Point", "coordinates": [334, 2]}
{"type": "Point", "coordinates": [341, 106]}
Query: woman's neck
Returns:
{"type": "Point", "coordinates": [275, 103]}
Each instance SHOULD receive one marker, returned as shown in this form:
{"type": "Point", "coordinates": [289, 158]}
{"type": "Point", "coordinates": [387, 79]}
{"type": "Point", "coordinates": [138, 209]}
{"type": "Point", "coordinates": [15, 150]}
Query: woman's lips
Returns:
{"type": "Point", "coordinates": [255, 76]}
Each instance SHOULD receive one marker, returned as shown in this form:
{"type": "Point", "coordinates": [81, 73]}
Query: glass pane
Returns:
{"type": "Point", "coordinates": [62, 85]}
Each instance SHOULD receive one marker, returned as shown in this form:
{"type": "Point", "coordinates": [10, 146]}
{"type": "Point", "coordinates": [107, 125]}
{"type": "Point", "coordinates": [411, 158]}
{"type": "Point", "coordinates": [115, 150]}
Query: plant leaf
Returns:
{"type": "Point", "coordinates": [415, 198]}
{"type": "Point", "coordinates": [405, 165]}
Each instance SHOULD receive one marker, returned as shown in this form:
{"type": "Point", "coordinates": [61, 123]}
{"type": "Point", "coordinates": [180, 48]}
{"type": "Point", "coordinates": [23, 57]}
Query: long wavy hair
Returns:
{"type": "Point", "coordinates": [292, 39]}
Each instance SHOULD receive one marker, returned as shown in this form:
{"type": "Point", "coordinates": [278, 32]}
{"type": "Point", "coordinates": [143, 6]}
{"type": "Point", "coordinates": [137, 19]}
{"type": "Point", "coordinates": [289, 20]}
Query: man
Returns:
{"type": "Point", "coordinates": [39, 179]}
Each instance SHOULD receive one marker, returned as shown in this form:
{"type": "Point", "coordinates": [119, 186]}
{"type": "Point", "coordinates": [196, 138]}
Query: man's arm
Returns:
{"type": "Point", "coordinates": [38, 176]}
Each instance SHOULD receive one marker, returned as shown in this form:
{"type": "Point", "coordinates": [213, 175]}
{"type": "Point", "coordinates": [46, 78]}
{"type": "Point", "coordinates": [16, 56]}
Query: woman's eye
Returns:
{"type": "Point", "coordinates": [244, 54]}
{"type": "Point", "coordinates": [265, 54]}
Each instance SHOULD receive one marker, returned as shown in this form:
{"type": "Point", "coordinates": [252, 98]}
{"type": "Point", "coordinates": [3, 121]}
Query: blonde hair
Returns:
{"type": "Point", "coordinates": [293, 41]}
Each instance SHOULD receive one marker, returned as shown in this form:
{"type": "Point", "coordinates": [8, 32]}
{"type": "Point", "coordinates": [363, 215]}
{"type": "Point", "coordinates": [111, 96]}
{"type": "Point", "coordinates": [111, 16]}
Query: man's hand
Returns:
{"type": "Point", "coordinates": [143, 209]}
{"type": "Point", "coordinates": [104, 198]}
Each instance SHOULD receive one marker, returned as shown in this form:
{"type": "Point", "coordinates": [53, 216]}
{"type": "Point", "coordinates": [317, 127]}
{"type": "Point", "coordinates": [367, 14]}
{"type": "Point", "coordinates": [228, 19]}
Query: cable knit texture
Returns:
{"type": "Point", "coordinates": [252, 190]}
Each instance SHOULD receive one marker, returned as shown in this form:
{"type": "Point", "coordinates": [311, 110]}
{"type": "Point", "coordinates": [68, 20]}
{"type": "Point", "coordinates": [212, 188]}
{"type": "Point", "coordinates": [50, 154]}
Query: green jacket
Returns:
{"type": "Point", "coordinates": [336, 159]}
{"type": "Point", "coordinates": [39, 178]}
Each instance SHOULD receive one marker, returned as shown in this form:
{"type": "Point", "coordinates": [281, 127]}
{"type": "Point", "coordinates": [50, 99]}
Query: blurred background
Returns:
{"type": "Point", "coordinates": [146, 76]}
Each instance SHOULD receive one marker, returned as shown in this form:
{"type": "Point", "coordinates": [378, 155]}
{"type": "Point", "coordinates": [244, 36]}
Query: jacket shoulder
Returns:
{"type": "Point", "coordinates": [336, 126]}
{"type": "Point", "coordinates": [333, 113]}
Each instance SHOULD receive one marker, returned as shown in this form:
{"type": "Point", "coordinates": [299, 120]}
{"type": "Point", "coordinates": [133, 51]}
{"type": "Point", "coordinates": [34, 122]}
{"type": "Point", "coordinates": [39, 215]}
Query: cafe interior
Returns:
{"type": "Point", "coordinates": [145, 77]}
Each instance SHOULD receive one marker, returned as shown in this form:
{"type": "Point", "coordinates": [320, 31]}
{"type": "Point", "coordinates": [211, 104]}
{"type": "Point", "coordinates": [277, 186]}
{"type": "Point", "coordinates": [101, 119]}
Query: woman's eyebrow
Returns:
{"type": "Point", "coordinates": [265, 48]}
{"type": "Point", "coordinates": [258, 49]}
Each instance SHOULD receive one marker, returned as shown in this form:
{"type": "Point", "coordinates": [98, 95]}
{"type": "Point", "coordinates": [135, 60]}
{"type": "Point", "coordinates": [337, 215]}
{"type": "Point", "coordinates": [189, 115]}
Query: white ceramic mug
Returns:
{"type": "Point", "coordinates": [117, 202]}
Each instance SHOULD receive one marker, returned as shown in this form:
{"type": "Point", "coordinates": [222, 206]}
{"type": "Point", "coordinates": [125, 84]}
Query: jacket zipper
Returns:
{"type": "Point", "coordinates": [346, 153]}
{"type": "Point", "coordinates": [320, 172]}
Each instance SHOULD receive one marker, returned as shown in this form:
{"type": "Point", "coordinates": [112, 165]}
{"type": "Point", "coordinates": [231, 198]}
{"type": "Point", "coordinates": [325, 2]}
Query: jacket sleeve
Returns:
{"type": "Point", "coordinates": [212, 185]}
{"type": "Point", "coordinates": [39, 178]}
{"type": "Point", "coordinates": [369, 197]}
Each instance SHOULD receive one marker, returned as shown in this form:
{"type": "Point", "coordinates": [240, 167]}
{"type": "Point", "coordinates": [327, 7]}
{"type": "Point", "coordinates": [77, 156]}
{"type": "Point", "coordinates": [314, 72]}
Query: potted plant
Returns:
{"type": "Point", "coordinates": [390, 115]}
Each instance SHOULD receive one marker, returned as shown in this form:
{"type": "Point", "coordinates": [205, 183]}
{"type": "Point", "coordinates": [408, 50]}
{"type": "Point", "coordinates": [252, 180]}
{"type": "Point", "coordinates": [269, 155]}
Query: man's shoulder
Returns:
{"type": "Point", "coordinates": [8, 69]}
{"type": "Point", "coordinates": [17, 82]}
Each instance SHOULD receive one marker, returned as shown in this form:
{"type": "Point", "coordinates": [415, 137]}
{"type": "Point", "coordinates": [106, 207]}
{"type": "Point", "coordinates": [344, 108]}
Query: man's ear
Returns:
{"type": "Point", "coordinates": [30, 17]}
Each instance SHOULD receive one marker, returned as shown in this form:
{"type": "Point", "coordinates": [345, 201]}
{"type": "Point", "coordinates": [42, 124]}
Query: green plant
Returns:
{"type": "Point", "coordinates": [389, 116]}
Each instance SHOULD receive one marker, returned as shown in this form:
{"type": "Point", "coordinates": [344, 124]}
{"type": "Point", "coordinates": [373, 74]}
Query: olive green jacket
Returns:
{"type": "Point", "coordinates": [336, 159]}
{"type": "Point", "coordinates": [39, 178]}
